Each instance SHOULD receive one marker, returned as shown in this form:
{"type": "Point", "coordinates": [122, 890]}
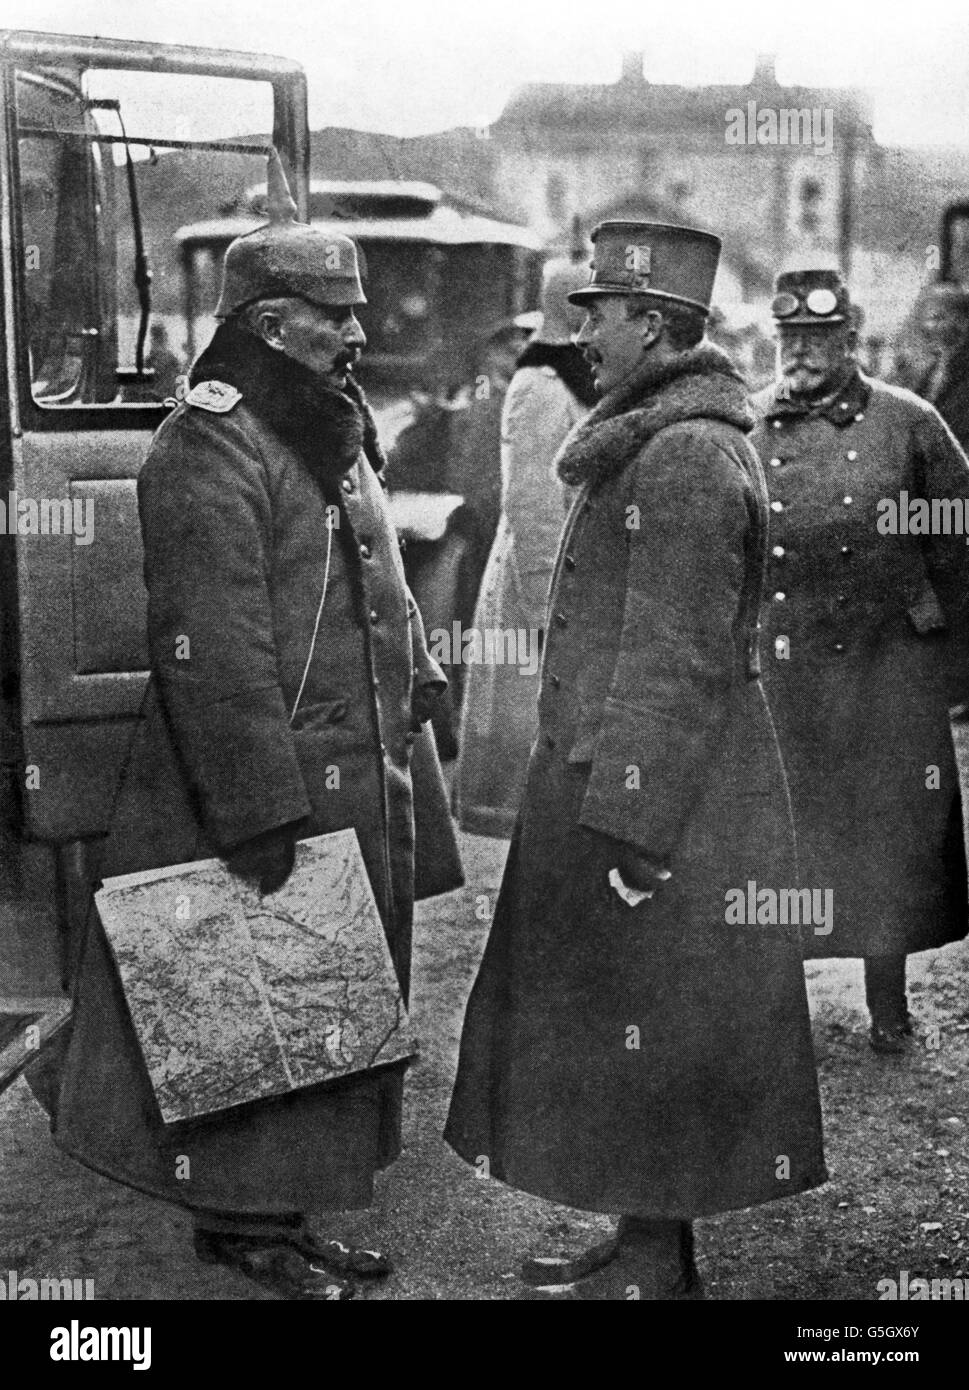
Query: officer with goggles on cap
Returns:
{"type": "Point", "coordinates": [864, 644]}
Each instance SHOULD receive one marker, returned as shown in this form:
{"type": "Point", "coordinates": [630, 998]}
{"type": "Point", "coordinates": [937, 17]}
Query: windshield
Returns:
{"type": "Point", "coordinates": [56, 185]}
{"type": "Point", "coordinates": [81, 219]}
{"type": "Point", "coordinates": [402, 285]}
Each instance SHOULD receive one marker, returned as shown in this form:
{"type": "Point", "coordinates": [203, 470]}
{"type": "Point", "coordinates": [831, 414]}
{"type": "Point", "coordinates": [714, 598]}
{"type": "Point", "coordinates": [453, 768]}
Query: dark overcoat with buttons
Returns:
{"type": "Point", "coordinates": [233, 500]}
{"type": "Point", "coordinates": [653, 1059]}
{"type": "Point", "coordinates": [864, 647]}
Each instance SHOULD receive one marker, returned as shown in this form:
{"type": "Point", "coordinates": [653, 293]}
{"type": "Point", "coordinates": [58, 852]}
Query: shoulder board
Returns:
{"type": "Point", "coordinates": [216, 396]}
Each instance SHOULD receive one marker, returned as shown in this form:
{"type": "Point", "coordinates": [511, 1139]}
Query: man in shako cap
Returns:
{"type": "Point", "coordinates": [629, 1047]}
{"type": "Point", "coordinates": [865, 642]}
{"type": "Point", "coordinates": [271, 715]}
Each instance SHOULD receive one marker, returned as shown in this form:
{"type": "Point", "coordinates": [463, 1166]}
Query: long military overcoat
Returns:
{"type": "Point", "coordinates": [864, 648]}
{"type": "Point", "coordinates": [233, 500]}
{"type": "Point", "coordinates": [653, 1059]}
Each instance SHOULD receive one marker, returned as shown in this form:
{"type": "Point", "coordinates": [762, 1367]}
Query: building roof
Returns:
{"type": "Point", "coordinates": [633, 105]}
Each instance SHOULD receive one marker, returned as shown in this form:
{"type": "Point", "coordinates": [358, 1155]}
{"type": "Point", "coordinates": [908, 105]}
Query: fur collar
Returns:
{"type": "Point", "coordinates": [569, 365]}
{"type": "Point", "coordinates": [326, 428]}
{"type": "Point", "coordinates": [700, 384]}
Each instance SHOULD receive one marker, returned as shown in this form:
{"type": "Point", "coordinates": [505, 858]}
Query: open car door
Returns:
{"type": "Point", "coordinates": [106, 149]}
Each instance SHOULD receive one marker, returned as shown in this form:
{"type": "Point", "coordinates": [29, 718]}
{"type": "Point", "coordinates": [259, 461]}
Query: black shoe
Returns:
{"type": "Point", "coordinates": [543, 1271]}
{"type": "Point", "coordinates": [343, 1259]}
{"type": "Point", "coordinates": [273, 1264]}
{"type": "Point", "coordinates": [642, 1261]}
{"type": "Point", "coordinates": [550, 1293]}
{"type": "Point", "coordinates": [893, 1040]}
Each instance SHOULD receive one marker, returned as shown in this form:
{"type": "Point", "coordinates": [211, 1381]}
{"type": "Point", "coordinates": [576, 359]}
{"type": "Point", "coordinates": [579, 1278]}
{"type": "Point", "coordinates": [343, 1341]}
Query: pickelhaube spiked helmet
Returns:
{"type": "Point", "coordinates": [288, 258]}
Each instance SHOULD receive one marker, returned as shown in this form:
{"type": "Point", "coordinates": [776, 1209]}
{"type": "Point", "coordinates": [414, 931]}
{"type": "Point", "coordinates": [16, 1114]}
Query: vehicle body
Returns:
{"type": "Point", "coordinates": [94, 132]}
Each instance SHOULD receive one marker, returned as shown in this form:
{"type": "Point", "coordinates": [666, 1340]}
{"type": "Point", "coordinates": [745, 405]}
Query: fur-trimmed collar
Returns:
{"type": "Point", "coordinates": [569, 365]}
{"type": "Point", "coordinates": [700, 384]}
{"type": "Point", "coordinates": [327, 428]}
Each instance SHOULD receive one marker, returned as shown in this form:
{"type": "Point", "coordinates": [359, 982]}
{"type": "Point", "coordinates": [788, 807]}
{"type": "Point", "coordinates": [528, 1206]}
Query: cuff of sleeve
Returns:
{"type": "Point", "coordinates": [241, 757]}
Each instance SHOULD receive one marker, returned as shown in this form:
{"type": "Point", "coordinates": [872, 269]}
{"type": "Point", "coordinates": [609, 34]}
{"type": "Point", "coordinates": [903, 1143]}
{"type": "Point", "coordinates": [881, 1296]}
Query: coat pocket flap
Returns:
{"type": "Point", "coordinates": [325, 712]}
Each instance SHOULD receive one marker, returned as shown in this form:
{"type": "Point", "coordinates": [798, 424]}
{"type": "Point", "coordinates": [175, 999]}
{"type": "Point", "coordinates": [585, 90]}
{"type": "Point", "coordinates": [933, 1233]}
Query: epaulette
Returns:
{"type": "Point", "coordinates": [217, 396]}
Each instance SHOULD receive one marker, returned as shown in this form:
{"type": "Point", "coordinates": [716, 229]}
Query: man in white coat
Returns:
{"type": "Point", "coordinates": [551, 391]}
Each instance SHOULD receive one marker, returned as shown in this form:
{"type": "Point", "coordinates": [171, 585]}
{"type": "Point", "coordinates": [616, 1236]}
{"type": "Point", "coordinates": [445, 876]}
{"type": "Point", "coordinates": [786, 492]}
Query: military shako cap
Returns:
{"type": "Point", "coordinates": [653, 258]}
{"type": "Point", "coordinates": [287, 257]}
{"type": "Point", "coordinates": [813, 297]}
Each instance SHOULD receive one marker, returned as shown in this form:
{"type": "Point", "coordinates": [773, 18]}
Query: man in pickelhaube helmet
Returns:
{"type": "Point", "coordinates": [865, 643]}
{"type": "Point", "coordinates": [629, 1046]}
{"type": "Point", "coordinates": [273, 713]}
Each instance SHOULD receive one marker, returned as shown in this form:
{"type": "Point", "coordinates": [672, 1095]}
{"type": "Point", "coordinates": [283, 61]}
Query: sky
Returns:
{"type": "Point", "coordinates": [406, 67]}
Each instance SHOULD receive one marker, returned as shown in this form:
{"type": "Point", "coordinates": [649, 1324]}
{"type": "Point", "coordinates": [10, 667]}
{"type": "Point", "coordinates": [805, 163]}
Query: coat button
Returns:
{"type": "Point", "coordinates": [848, 501]}
{"type": "Point", "coordinates": [775, 463]}
{"type": "Point", "coordinates": [364, 551]}
{"type": "Point", "coordinates": [780, 596]}
{"type": "Point", "coordinates": [777, 424]}
{"type": "Point", "coordinates": [374, 618]}
{"type": "Point", "coordinates": [561, 619]}
{"type": "Point", "coordinates": [842, 598]}
{"type": "Point", "coordinates": [851, 455]}
{"type": "Point", "coordinates": [846, 551]}
{"type": "Point", "coordinates": [570, 562]}
{"type": "Point", "coordinates": [347, 485]}
{"type": "Point", "coordinates": [839, 646]}
{"type": "Point", "coordinates": [859, 417]}
{"type": "Point", "coordinates": [777, 506]}
{"type": "Point", "coordinates": [779, 551]}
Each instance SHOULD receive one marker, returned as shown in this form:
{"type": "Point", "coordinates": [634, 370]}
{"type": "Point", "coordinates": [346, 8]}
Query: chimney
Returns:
{"type": "Point", "coordinates": [632, 69]}
{"type": "Point", "coordinates": [764, 74]}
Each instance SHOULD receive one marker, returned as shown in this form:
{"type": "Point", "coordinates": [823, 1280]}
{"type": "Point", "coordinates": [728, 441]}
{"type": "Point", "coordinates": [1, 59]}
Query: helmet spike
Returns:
{"type": "Point", "coordinates": [280, 206]}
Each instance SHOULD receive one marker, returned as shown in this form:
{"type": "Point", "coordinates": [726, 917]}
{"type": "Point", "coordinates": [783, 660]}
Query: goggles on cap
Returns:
{"type": "Point", "coordinates": [818, 302]}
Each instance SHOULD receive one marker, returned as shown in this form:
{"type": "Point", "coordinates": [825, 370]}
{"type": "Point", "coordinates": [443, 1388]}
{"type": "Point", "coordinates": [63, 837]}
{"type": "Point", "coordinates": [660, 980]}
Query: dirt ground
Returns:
{"type": "Point", "coordinates": [896, 1144]}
